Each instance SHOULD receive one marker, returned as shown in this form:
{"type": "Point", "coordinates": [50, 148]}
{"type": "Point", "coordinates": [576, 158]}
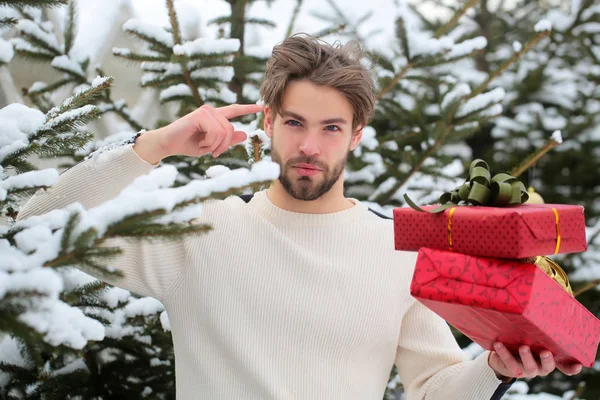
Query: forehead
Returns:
{"type": "Point", "coordinates": [316, 102]}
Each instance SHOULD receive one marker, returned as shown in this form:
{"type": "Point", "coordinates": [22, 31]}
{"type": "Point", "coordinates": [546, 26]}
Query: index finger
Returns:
{"type": "Point", "coordinates": [236, 110]}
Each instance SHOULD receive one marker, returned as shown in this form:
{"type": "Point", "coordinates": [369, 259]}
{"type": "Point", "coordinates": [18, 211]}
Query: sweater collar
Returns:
{"type": "Point", "coordinates": [261, 203]}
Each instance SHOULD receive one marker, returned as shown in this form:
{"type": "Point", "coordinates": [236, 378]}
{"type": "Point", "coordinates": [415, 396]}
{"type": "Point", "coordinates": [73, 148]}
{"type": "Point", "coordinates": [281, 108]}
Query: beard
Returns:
{"type": "Point", "coordinates": [307, 188]}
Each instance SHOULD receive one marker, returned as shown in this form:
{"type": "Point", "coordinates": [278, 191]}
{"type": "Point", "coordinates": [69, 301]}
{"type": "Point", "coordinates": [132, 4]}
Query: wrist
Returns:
{"type": "Point", "coordinates": [149, 147]}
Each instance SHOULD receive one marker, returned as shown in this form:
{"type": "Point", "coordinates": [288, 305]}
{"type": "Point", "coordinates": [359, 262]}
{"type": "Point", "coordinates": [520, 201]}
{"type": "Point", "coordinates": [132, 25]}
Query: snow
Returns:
{"type": "Point", "coordinates": [149, 30]}
{"type": "Point", "coordinates": [118, 51]}
{"type": "Point", "coordinates": [590, 11]}
{"type": "Point", "coordinates": [114, 296]}
{"type": "Point", "coordinates": [6, 51]}
{"type": "Point", "coordinates": [43, 280]}
{"type": "Point", "coordinates": [543, 25]}
{"type": "Point", "coordinates": [65, 63]}
{"type": "Point", "coordinates": [460, 90]}
{"type": "Point", "coordinates": [30, 179]}
{"type": "Point", "coordinates": [31, 28]}
{"type": "Point", "coordinates": [216, 170]}
{"type": "Point", "coordinates": [70, 115]}
{"type": "Point", "coordinates": [164, 321]}
{"type": "Point", "coordinates": [517, 46]}
{"type": "Point", "coordinates": [143, 306]}
{"type": "Point", "coordinates": [100, 80]}
{"type": "Point", "coordinates": [590, 27]}
{"type": "Point", "coordinates": [77, 365]}
{"type": "Point", "coordinates": [37, 87]}
{"type": "Point", "coordinates": [206, 46]}
{"type": "Point", "coordinates": [18, 121]}
{"type": "Point", "coordinates": [557, 137]}
{"type": "Point", "coordinates": [467, 47]}
{"type": "Point", "coordinates": [62, 324]}
{"type": "Point", "coordinates": [223, 74]}
{"type": "Point", "coordinates": [178, 90]}
{"type": "Point", "coordinates": [481, 101]}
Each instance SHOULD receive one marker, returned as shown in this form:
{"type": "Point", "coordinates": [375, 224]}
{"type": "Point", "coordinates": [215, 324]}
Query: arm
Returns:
{"type": "Point", "coordinates": [148, 268]}
{"type": "Point", "coordinates": [432, 366]}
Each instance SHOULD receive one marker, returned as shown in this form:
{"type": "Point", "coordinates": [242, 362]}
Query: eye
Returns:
{"type": "Point", "coordinates": [332, 128]}
{"type": "Point", "coordinates": [292, 122]}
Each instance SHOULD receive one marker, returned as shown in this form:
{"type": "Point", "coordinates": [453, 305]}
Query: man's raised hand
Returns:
{"type": "Point", "coordinates": [203, 131]}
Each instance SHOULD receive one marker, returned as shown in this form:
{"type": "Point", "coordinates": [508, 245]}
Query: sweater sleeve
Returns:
{"type": "Point", "coordinates": [432, 366]}
{"type": "Point", "coordinates": [149, 268]}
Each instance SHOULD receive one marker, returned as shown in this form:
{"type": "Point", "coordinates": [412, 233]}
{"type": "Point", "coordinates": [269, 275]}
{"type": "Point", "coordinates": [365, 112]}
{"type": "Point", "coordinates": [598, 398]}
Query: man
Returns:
{"type": "Point", "coordinates": [297, 293]}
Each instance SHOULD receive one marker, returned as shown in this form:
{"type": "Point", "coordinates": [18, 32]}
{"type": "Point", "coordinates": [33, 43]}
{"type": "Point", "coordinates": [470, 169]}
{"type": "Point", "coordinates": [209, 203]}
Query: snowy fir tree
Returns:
{"type": "Point", "coordinates": [513, 82]}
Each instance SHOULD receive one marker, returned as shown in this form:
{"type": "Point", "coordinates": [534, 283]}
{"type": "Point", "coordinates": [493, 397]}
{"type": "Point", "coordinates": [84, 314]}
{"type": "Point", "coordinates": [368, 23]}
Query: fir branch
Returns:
{"type": "Point", "coordinates": [49, 88]}
{"type": "Point", "coordinates": [36, 36]}
{"type": "Point", "coordinates": [26, 50]}
{"type": "Point", "coordinates": [509, 62]}
{"type": "Point", "coordinates": [70, 26]}
{"type": "Point", "coordinates": [8, 21]}
{"type": "Point", "coordinates": [33, 3]}
{"type": "Point", "coordinates": [260, 21]}
{"type": "Point", "coordinates": [330, 31]}
{"type": "Point", "coordinates": [533, 158]}
{"type": "Point", "coordinates": [295, 14]}
{"type": "Point", "coordinates": [168, 232]}
{"type": "Point", "coordinates": [386, 196]}
{"type": "Point", "coordinates": [587, 287]}
{"type": "Point", "coordinates": [395, 80]}
{"type": "Point", "coordinates": [238, 15]}
{"type": "Point", "coordinates": [454, 20]}
{"type": "Point", "coordinates": [403, 36]}
{"type": "Point", "coordinates": [177, 40]}
{"type": "Point", "coordinates": [69, 120]}
{"type": "Point", "coordinates": [139, 57]}
{"type": "Point", "coordinates": [83, 98]}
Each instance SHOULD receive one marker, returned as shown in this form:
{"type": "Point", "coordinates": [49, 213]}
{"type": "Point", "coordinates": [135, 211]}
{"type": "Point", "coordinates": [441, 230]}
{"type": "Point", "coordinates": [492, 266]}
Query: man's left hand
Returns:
{"type": "Point", "coordinates": [505, 364]}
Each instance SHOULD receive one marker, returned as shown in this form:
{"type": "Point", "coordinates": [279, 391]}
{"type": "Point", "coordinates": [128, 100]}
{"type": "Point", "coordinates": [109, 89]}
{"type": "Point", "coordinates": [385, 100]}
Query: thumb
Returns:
{"type": "Point", "coordinates": [238, 137]}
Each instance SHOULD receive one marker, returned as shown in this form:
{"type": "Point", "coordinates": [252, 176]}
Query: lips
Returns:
{"type": "Point", "coordinates": [307, 166]}
{"type": "Point", "coordinates": [306, 169]}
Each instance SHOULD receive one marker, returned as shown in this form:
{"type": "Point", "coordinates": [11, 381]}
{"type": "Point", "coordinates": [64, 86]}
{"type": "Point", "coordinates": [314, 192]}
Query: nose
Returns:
{"type": "Point", "coordinates": [310, 144]}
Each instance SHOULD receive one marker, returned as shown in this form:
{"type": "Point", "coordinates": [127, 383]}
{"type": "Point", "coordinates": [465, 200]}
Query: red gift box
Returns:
{"type": "Point", "coordinates": [506, 301]}
{"type": "Point", "coordinates": [519, 231]}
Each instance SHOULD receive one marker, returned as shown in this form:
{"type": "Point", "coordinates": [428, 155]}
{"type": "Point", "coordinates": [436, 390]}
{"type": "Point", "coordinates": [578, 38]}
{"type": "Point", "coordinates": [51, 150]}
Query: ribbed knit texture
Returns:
{"type": "Point", "coordinates": [274, 304]}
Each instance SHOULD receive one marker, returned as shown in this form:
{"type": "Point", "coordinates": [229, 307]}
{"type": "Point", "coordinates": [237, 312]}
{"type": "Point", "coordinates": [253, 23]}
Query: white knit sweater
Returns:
{"type": "Point", "coordinates": [274, 304]}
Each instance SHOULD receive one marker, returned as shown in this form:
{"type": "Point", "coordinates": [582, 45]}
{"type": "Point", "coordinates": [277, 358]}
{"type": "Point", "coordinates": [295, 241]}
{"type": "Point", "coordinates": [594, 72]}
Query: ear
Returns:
{"type": "Point", "coordinates": [356, 137]}
{"type": "Point", "coordinates": [269, 120]}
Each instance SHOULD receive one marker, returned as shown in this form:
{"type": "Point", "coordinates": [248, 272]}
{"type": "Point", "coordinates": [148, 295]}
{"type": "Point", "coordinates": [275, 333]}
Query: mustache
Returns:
{"type": "Point", "coordinates": [306, 160]}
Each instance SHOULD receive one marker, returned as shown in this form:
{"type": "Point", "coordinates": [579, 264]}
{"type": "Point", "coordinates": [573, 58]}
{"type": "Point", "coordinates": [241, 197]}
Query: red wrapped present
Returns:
{"type": "Point", "coordinates": [519, 231]}
{"type": "Point", "coordinates": [506, 301]}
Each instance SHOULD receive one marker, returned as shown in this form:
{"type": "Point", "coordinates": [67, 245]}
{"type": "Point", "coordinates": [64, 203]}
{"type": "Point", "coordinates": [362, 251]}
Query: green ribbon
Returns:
{"type": "Point", "coordinates": [481, 189]}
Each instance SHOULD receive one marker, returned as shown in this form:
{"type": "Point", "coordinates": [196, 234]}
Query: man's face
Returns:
{"type": "Point", "coordinates": [311, 138]}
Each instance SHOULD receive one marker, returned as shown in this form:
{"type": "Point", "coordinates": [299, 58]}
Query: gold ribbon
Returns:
{"type": "Point", "coordinates": [450, 213]}
{"type": "Point", "coordinates": [557, 231]}
{"type": "Point", "coordinates": [553, 270]}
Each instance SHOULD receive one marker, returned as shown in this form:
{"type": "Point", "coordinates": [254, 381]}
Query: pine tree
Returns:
{"type": "Point", "coordinates": [484, 83]}
{"type": "Point", "coordinates": [68, 335]}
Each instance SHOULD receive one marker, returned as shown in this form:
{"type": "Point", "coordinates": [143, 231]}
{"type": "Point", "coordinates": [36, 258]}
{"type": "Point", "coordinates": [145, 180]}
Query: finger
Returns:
{"type": "Point", "coordinates": [215, 135]}
{"type": "Point", "coordinates": [548, 363]}
{"type": "Point", "coordinates": [495, 361]}
{"type": "Point", "coordinates": [530, 365]}
{"type": "Point", "coordinates": [238, 137]}
{"type": "Point", "coordinates": [513, 366]}
{"type": "Point", "coordinates": [569, 369]}
{"type": "Point", "coordinates": [211, 129]}
{"type": "Point", "coordinates": [226, 140]}
{"type": "Point", "coordinates": [236, 110]}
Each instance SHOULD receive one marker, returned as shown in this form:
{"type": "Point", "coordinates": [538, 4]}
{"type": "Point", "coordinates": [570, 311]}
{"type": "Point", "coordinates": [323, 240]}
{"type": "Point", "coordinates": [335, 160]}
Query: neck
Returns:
{"type": "Point", "coordinates": [330, 202]}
